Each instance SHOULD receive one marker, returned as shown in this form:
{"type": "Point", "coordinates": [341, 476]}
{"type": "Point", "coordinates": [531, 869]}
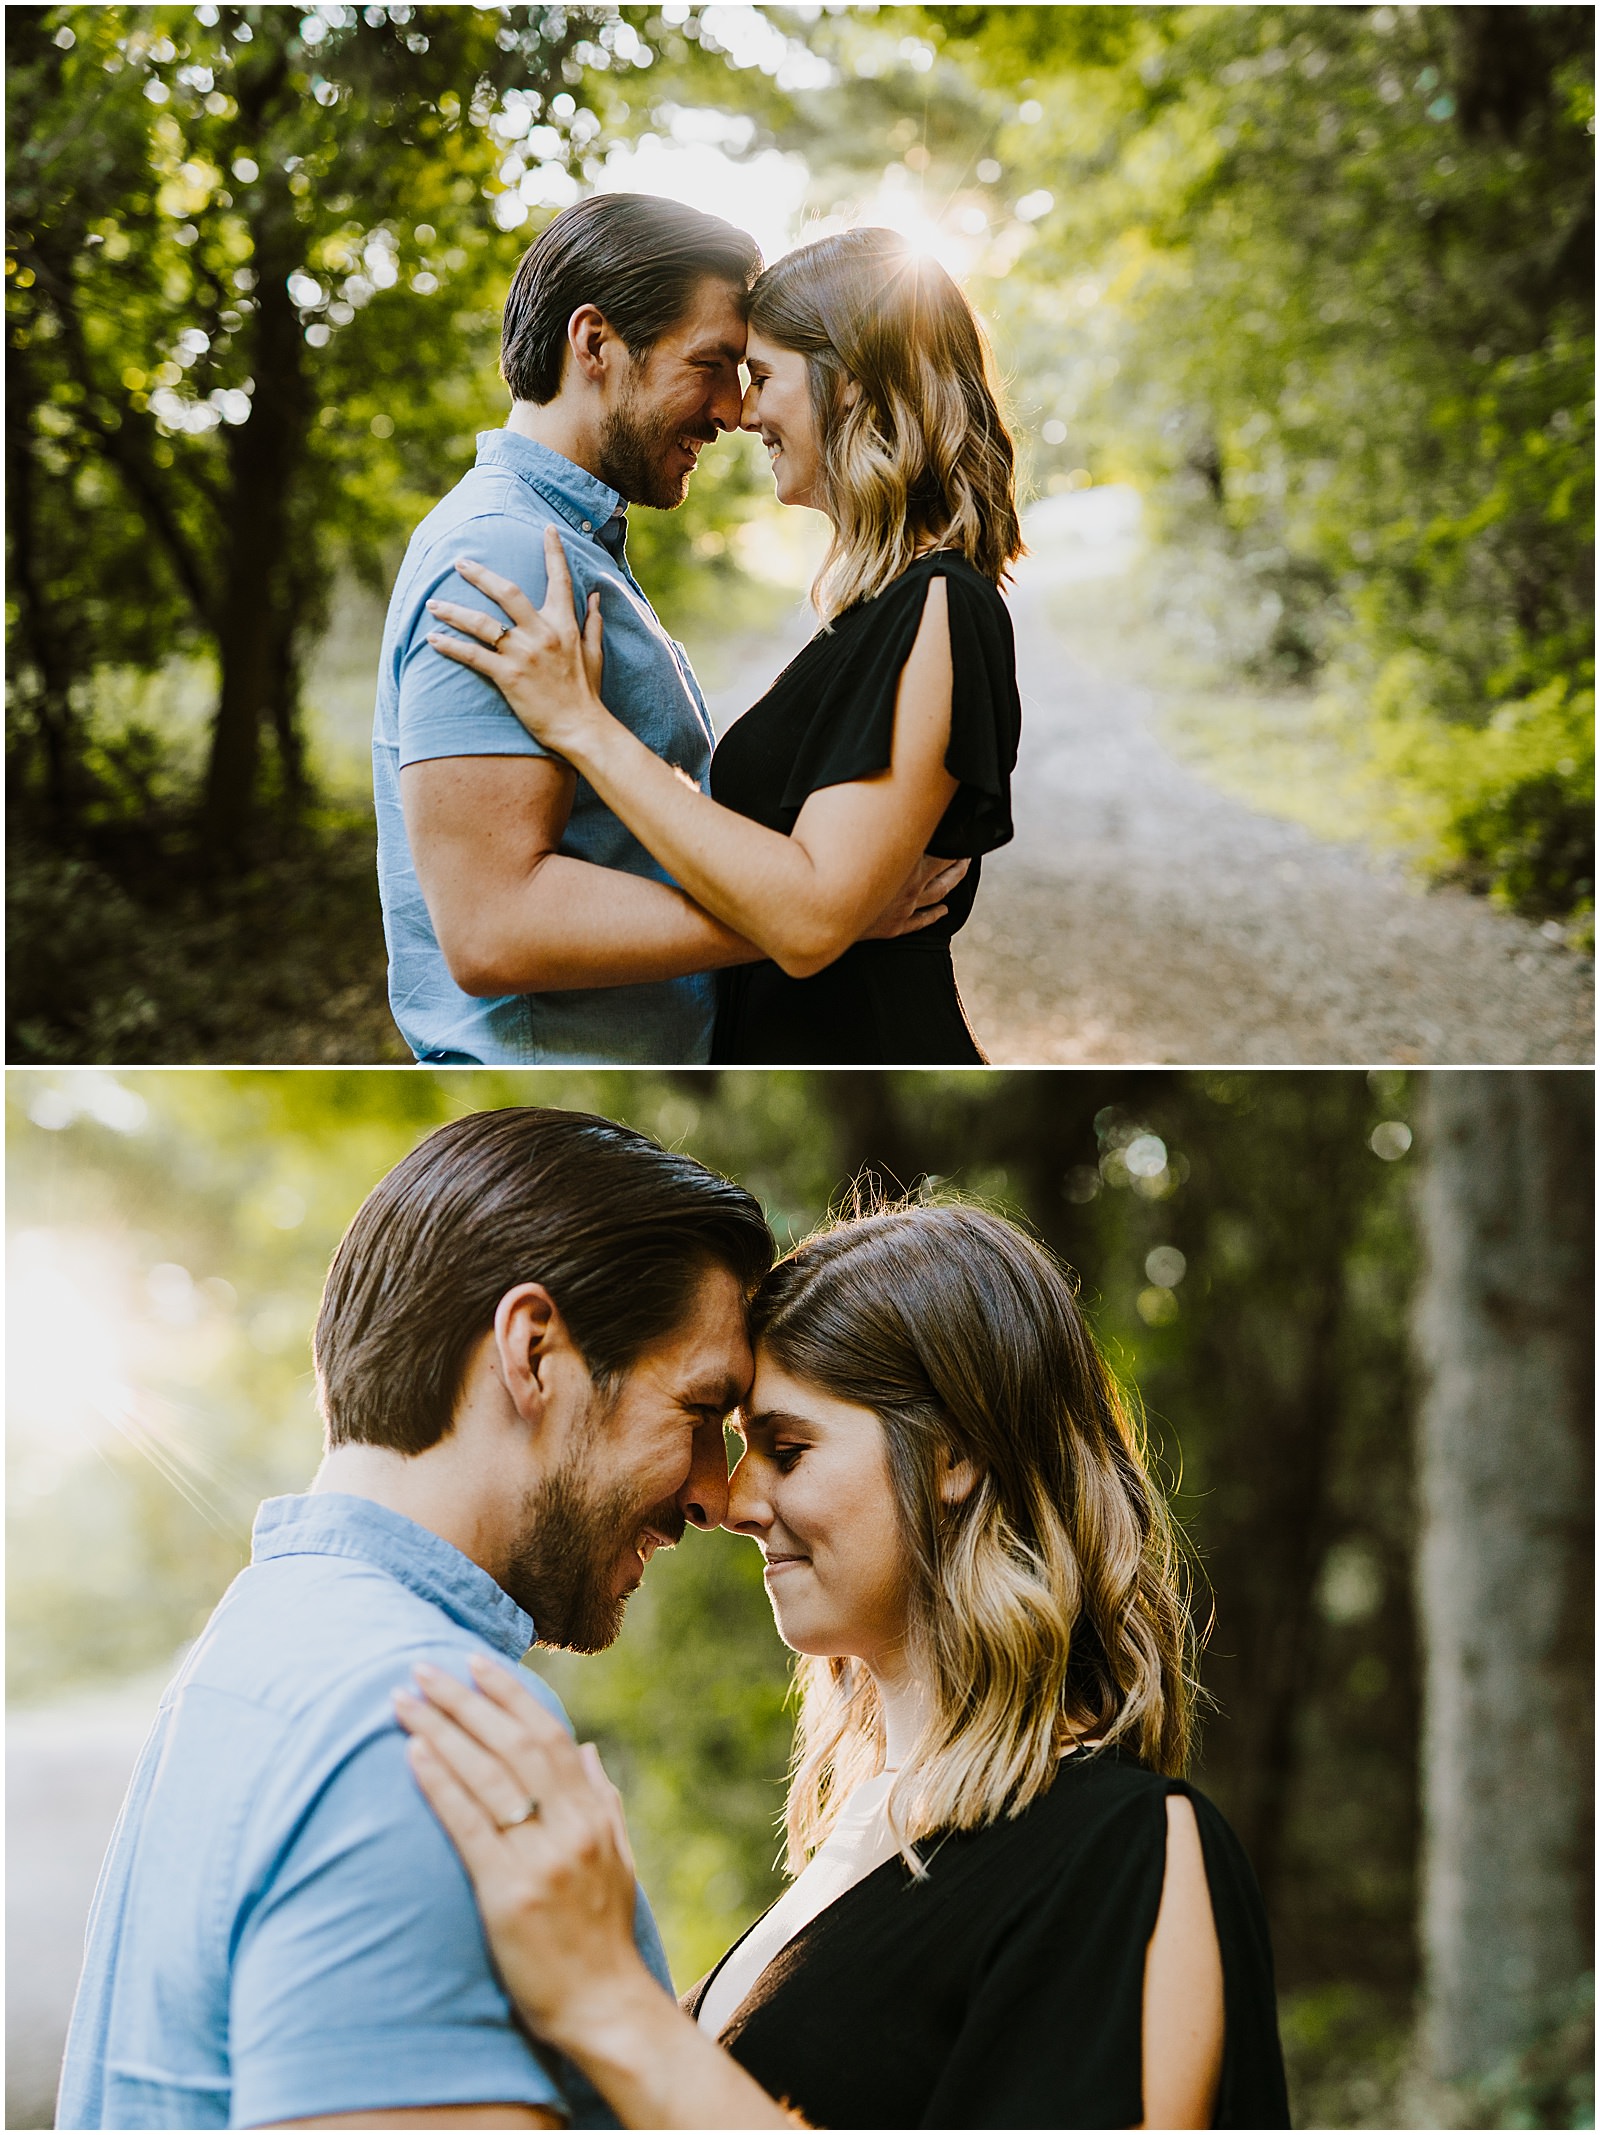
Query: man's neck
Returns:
{"type": "Point", "coordinates": [561, 425]}
{"type": "Point", "coordinates": [420, 1488]}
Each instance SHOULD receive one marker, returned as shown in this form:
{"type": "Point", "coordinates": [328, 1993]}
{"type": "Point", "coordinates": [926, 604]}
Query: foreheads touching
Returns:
{"type": "Point", "coordinates": [618, 1233]}
{"type": "Point", "coordinates": [656, 276]}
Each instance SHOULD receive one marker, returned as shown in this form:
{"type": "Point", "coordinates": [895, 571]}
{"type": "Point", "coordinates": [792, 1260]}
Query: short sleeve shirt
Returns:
{"type": "Point", "coordinates": [429, 706]}
{"type": "Point", "coordinates": [282, 1929]}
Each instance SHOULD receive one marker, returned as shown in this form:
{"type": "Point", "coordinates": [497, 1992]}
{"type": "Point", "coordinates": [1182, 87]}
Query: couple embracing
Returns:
{"type": "Point", "coordinates": [364, 1877]}
{"type": "Point", "coordinates": [571, 871]}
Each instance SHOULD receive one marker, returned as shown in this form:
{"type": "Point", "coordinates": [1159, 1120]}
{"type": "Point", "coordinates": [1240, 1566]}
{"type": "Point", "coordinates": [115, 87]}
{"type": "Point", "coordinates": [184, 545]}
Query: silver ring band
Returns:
{"type": "Point", "coordinates": [530, 1815]}
{"type": "Point", "coordinates": [504, 631]}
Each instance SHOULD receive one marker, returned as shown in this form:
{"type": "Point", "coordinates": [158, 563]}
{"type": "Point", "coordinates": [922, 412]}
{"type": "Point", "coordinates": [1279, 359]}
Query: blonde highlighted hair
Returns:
{"type": "Point", "coordinates": [917, 455]}
{"type": "Point", "coordinates": [1045, 1608]}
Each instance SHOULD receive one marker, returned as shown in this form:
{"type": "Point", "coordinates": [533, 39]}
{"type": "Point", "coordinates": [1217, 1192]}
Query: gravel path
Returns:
{"type": "Point", "coordinates": [1142, 915]}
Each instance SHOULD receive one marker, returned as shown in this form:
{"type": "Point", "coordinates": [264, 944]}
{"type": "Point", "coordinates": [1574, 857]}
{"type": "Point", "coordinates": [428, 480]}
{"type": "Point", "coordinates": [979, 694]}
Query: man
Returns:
{"type": "Point", "coordinates": [525, 923]}
{"type": "Point", "coordinates": [529, 1338]}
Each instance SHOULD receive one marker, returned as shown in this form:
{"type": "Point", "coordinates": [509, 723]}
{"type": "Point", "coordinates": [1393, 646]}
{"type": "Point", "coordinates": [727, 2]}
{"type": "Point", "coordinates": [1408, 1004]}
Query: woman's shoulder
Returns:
{"type": "Point", "coordinates": [966, 584]}
{"type": "Point", "coordinates": [1104, 1795]}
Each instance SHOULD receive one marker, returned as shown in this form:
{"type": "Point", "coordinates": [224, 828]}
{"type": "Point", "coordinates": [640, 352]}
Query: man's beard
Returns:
{"type": "Point", "coordinates": [563, 1569]}
{"type": "Point", "coordinates": [634, 444]}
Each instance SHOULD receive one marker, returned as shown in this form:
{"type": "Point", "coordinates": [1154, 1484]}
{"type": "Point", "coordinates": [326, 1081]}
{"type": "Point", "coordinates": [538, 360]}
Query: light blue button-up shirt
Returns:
{"type": "Point", "coordinates": [430, 706]}
{"type": "Point", "coordinates": [282, 1928]}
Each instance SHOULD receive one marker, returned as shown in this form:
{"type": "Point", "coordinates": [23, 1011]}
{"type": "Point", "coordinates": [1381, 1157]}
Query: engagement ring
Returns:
{"type": "Point", "coordinates": [529, 1815]}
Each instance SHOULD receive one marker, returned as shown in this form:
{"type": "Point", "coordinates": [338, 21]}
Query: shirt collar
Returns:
{"type": "Point", "coordinates": [330, 1523]}
{"type": "Point", "coordinates": [582, 499]}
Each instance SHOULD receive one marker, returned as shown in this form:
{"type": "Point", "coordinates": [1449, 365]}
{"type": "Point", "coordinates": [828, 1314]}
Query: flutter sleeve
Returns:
{"type": "Point", "coordinates": [851, 732]}
{"type": "Point", "coordinates": [1053, 2035]}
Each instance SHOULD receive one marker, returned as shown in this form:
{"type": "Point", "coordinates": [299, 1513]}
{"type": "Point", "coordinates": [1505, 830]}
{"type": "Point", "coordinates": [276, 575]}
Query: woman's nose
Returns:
{"type": "Point", "coordinates": [748, 1510]}
{"type": "Point", "coordinates": [747, 410]}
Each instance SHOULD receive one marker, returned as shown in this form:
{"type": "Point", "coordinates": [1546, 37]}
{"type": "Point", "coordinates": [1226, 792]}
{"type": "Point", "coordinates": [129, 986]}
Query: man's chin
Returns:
{"type": "Point", "coordinates": [663, 497]}
{"type": "Point", "coordinates": [592, 1632]}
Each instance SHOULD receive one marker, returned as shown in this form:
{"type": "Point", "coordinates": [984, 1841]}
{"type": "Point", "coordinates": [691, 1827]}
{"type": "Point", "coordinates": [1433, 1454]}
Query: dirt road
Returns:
{"type": "Point", "coordinates": [67, 1767]}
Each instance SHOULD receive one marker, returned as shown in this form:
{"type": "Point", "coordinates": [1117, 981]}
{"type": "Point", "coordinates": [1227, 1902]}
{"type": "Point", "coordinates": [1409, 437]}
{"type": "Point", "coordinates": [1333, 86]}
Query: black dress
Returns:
{"type": "Point", "coordinates": [1006, 1989]}
{"type": "Point", "coordinates": [828, 719]}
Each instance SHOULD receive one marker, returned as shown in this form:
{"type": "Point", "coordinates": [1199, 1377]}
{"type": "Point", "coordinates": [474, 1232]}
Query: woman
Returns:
{"type": "Point", "coordinates": [1008, 1909]}
{"type": "Point", "coordinates": [893, 732]}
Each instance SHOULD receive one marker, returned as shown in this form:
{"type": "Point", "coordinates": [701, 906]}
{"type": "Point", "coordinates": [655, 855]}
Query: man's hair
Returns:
{"type": "Point", "coordinates": [638, 260]}
{"type": "Point", "coordinates": [619, 1230]}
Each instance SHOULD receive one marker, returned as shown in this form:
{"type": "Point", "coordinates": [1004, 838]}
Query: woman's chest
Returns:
{"type": "Point", "coordinates": [756, 762]}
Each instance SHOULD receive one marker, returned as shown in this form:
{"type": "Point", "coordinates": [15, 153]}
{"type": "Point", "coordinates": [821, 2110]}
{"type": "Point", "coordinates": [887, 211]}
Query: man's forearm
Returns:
{"type": "Point", "coordinates": [569, 924]}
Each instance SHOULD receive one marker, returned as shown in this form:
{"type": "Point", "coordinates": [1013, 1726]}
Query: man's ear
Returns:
{"type": "Point", "coordinates": [591, 341]}
{"type": "Point", "coordinates": [529, 1335]}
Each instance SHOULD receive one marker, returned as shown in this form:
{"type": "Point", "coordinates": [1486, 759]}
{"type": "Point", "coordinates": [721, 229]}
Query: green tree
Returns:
{"type": "Point", "coordinates": [1335, 267]}
{"type": "Point", "coordinates": [252, 286]}
{"type": "Point", "coordinates": [1320, 280]}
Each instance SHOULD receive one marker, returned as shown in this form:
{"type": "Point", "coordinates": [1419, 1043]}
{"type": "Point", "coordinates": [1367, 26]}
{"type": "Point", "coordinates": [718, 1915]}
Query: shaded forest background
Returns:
{"type": "Point", "coordinates": [1248, 1247]}
{"type": "Point", "coordinates": [1319, 281]}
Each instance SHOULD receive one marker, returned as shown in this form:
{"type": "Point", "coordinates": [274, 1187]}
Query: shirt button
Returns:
{"type": "Point", "coordinates": [588, 526]}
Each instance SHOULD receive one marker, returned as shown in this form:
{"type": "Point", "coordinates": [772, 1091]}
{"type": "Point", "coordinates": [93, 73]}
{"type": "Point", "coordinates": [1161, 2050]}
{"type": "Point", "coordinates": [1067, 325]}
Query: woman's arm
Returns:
{"type": "Point", "coordinates": [1183, 2009]}
{"type": "Point", "coordinates": [515, 914]}
{"type": "Point", "coordinates": [540, 1830]}
{"type": "Point", "coordinates": [803, 899]}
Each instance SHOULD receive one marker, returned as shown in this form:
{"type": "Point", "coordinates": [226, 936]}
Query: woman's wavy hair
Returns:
{"type": "Point", "coordinates": [1048, 1605]}
{"type": "Point", "coordinates": [918, 456]}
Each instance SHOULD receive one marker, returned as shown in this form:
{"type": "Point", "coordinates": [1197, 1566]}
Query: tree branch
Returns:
{"type": "Point", "coordinates": [119, 446]}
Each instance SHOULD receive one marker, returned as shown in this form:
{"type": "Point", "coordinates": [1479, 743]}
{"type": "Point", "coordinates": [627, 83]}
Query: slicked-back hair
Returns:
{"type": "Point", "coordinates": [637, 259]}
{"type": "Point", "coordinates": [620, 1231]}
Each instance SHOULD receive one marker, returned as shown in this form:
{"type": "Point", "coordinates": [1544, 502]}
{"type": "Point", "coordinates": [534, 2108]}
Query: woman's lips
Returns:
{"type": "Point", "coordinates": [774, 1565]}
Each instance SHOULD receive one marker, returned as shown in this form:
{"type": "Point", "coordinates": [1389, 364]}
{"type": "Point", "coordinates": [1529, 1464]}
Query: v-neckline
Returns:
{"type": "Point", "coordinates": [895, 1860]}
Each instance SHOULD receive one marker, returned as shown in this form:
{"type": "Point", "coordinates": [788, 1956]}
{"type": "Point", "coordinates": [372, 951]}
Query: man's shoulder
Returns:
{"type": "Point", "coordinates": [297, 1632]}
{"type": "Point", "coordinates": [486, 506]}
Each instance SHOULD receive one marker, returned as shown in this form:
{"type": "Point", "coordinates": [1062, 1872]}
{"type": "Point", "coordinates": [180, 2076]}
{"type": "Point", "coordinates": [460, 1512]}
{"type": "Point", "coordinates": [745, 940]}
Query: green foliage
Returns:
{"type": "Point", "coordinates": [148, 959]}
{"type": "Point", "coordinates": [1512, 803]}
{"type": "Point", "coordinates": [1348, 255]}
{"type": "Point", "coordinates": [1345, 2049]}
{"type": "Point", "coordinates": [689, 1711]}
{"type": "Point", "coordinates": [691, 561]}
{"type": "Point", "coordinates": [1321, 278]}
{"type": "Point", "coordinates": [252, 298]}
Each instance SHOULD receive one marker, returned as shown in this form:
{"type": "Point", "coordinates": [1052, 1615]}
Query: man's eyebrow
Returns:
{"type": "Point", "coordinates": [724, 349]}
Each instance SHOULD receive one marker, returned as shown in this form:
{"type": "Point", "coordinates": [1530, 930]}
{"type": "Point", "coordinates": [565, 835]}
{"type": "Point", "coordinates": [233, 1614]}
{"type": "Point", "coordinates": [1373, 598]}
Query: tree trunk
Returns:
{"type": "Point", "coordinates": [257, 621]}
{"type": "Point", "coordinates": [1503, 1337]}
{"type": "Point", "coordinates": [39, 640]}
{"type": "Point", "coordinates": [1259, 1674]}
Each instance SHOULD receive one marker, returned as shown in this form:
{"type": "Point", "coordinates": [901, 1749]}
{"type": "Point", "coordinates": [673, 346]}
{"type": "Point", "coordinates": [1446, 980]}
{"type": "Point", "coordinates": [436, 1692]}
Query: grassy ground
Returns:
{"type": "Point", "coordinates": [1189, 623]}
{"type": "Point", "coordinates": [1184, 626]}
{"type": "Point", "coordinates": [284, 964]}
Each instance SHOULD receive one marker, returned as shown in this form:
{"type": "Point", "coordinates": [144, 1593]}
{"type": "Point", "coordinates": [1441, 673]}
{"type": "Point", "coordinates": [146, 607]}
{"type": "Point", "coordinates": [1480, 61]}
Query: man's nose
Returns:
{"type": "Point", "coordinates": [703, 1500]}
{"type": "Point", "coordinates": [726, 407]}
